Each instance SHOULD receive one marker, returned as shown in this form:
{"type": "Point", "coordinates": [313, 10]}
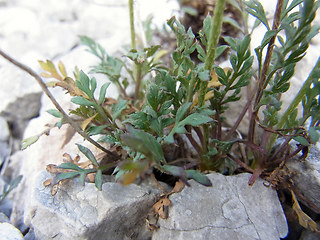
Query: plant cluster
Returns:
{"type": "Point", "coordinates": [185, 103]}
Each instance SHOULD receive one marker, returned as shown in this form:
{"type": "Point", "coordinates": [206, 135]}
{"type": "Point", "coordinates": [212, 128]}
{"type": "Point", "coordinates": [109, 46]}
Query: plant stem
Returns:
{"type": "Point", "coordinates": [55, 103]}
{"type": "Point", "coordinates": [262, 83]}
{"type": "Point", "coordinates": [295, 102]}
{"type": "Point", "coordinates": [216, 24]}
{"type": "Point", "coordinates": [133, 33]}
{"type": "Point", "coordinates": [136, 67]}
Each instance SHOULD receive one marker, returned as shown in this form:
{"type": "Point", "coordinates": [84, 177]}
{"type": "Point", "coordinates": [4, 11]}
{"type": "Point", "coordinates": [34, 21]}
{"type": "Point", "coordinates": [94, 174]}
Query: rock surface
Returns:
{"type": "Point", "coordinates": [231, 209]}
{"type": "Point", "coordinates": [306, 175]}
{"type": "Point", "coordinates": [9, 232]}
{"type": "Point", "coordinates": [84, 212]}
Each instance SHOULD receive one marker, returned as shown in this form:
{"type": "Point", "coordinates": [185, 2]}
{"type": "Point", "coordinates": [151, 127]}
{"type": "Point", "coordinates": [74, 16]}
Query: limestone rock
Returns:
{"type": "Point", "coordinates": [306, 175]}
{"type": "Point", "coordinates": [84, 212]}
{"type": "Point", "coordinates": [231, 209]}
{"type": "Point", "coordinates": [4, 140]}
{"type": "Point", "coordinates": [9, 232]}
{"type": "Point", "coordinates": [4, 218]}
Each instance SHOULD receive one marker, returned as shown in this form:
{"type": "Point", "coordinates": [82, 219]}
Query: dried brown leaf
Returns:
{"type": "Point", "coordinates": [47, 182]}
{"type": "Point", "coordinates": [52, 168]}
{"type": "Point", "coordinates": [304, 220]}
{"type": "Point", "coordinates": [87, 121]}
{"type": "Point", "coordinates": [129, 177]}
{"type": "Point", "coordinates": [161, 207]}
{"type": "Point", "coordinates": [91, 177]}
{"type": "Point", "coordinates": [67, 158]}
{"type": "Point", "coordinates": [70, 85]}
{"type": "Point", "coordinates": [178, 187]}
{"type": "Point", "coordinates": [54, 189]}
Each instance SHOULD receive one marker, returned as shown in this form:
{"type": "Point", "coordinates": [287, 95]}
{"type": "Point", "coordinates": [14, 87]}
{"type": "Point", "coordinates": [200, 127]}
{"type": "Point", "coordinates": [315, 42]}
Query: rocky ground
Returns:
{"type": "Point", "coordinates": [38, 30]}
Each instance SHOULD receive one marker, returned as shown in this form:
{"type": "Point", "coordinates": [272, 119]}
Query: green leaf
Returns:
{"type": "Point", "coordinates": [118, 109]}
{"type": "Point", "coordinates": [83, 84]}
{"type": "Point", "coordinates": [267, 36]}
{"type": "Point", "coordinates": [144, 143]}
{"type": "Point", "coordinates": [88, 154]}
{"type": "Point", "coordinates": [82, 101]}
{"type": "Point", "coordinates": [55, 113]}
{"type": "Point", "coordinates": [301, 140]}
{"type": "Point", "coordinates": [82, 178]}
{"type": "Point", "coordinates": [174, 171]}
{"type": "Point", "coordinates": [102, 94]}
{"type": "Point", "coordinates": [232, 22]}
{"type": "Point", "coordinates": [183, 109]}
{"type": "Point", "coordinates": [198, 177]}
{"type": "Point", "coordinates": [314, 134]}
{"type": "Point", "coordinates": [29, 141]}
{"type": "Point", "coordinates": [70, 166]}
{"type": "Point", "coordinates": [204, 75]}
{"type": "Point", "coordinates": [255, 8]}
{"type": "Point", "coordinates": [95, 130]}
{"type": "Point", "coordinates": [221, 50]}
{"type": "Point", "coordinates": [98, 179]}
{"type": "Point", "coordinates": [195, 119]}
{"type": "Point", "coordinates": [66, 175]}
{"type": "Point", "coordinates": [14, 183]}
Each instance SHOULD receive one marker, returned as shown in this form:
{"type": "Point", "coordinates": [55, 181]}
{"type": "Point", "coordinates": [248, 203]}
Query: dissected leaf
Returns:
{"type": "Point", "coordinates": [62, 69]}
{"type": "Point", "coordinates": [29, 141]}
{"type": "Point", "coordinates": [144, 143]}
{"type": "Point", "coordinates": [49, 67]}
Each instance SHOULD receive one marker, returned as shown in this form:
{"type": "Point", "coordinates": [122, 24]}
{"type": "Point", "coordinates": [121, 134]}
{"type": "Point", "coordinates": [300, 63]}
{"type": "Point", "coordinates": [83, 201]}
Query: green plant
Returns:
{"type": "Point", "coordinates": [8, 187]}
{"type": "Point", "coordinates": [190, 99]}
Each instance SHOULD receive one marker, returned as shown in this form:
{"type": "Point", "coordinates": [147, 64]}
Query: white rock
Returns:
{"type": "Point", "coordinates": [230, 209]}
{"type": "Point", "coordinates": [4, 130]}
{"type": "Point", "coordinates": [84, 212]}
{"type": "Point", "coordinates": [9, 232]}
{"type": "Point", "coordinates": [306, 175]}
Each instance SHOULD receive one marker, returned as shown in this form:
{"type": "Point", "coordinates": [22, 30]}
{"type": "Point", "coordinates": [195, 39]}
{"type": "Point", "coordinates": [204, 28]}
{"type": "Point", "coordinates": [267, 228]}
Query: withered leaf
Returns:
{"type": "Point", "coordinates": [87, 121]}
{"type": "Point", "coordinates": [54, 189]}
{"type": "Point", "coordinates": [47, 182]}
{"type": "Point", "coordinates": [161, 207]}
{"type": "Point", "coordinates": [178, 187]}
{"type": "Point", "coordinates": [304, 220]}
{"type": "Point", "coordinates": [52, 168]}
{"type": "Point", "coordinates": [129, 177]}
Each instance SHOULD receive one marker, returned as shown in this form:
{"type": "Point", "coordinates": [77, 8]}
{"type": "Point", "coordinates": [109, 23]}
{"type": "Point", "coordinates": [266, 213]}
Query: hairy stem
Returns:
{"type": "Point", "coordinates": [133, 33]}
{"type": "Point", "coordinates": [262, 82]}
{"type": "Point", "coordinates": [137, 67]}
{"type": "Point", "coordinates": [216, 24]}
{"type": "Point", "coordinates": [55, 103]}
